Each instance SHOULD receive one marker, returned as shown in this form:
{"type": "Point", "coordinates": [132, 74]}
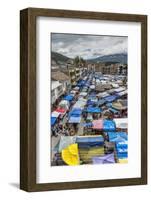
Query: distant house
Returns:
{"type": "Point", "coordinates": [62, 78]}
{"type": "Point", "coordinates": [54, 65]}
{"type": "Point", "coordinates": [122, 69]}
{"type": "Point", "coordinates": [110, 69]}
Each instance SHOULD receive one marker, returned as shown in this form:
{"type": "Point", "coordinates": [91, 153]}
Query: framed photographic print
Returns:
{"type": "Point", "coordinates": [83, 99]}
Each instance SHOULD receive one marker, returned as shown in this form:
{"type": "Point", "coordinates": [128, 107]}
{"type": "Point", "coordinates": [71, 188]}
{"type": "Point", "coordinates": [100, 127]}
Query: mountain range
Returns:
{"type": "Point", "coordinates": [59, 58]}
{"type": "Point", "coordinates": [113, 58]}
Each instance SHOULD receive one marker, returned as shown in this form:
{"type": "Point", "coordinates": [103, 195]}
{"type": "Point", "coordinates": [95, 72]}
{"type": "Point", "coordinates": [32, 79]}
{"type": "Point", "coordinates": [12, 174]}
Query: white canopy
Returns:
{"type": "Point", "coordinates": [76, 88]}
{"type": "Point", "coordinates": [102, 94]}
{"type": "Point", "coordinates": [73, 92]}
{"type": "Point", "coordinates": [121, 123]}
{"type": "Point", "coordinates": [83, 94]}
{"type": "Point", "coordinates": [120, 89]}
{"type": "Point", "coordinates": [115, 85]}
{"type": "Point", "coordinates": [64, 104]}
{"type": "Point", "coordinates": [92, 86]}
{"type": "Point", "coordinates": [122, 93]}
{"type": "Point", "coordinates": [80, 103]}
{"type": "Point", "coordinates": [55, 114]}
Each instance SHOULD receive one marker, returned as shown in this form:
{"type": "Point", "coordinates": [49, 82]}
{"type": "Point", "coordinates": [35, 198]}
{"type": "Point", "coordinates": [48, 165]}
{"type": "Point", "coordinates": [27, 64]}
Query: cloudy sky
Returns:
{"type": "Point", "coordinates": [88, 46]}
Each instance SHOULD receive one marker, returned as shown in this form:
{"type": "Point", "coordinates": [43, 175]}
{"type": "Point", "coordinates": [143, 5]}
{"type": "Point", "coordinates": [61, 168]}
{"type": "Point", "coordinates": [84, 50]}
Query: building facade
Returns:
{"type": "Point", "coordinates": [56, 91]}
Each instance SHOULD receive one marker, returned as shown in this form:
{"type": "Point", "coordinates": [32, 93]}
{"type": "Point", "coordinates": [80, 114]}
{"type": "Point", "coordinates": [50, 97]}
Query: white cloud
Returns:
{"type": "Point", "coordinates": [88, 46]}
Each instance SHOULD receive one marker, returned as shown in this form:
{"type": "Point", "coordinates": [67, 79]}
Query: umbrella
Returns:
{"type": "Point", "coordinates": [70, 155]}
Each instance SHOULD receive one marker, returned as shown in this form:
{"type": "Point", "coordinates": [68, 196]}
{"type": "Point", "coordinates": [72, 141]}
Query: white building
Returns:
{"type": "Point", "coordinates": [56, 90]}
{"type": "Point", "coordinates": [62, 78]}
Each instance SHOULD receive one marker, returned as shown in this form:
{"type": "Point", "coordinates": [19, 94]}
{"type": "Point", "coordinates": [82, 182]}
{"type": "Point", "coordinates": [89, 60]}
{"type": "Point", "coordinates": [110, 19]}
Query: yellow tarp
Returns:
{"type": "Point", "coordinates": [123, 160]}
{"type": "Point", "coordinates": [70, 155]}
{"type": "Point", "coordinates": [86, 155]}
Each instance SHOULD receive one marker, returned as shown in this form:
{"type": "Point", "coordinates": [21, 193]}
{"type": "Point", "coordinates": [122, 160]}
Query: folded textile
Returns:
{"type": "Point", "coordinates": [106, 159]}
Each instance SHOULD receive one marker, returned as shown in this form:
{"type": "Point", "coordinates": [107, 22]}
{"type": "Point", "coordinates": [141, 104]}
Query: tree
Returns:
{"type": "Point", "coordinates": [79, 61]}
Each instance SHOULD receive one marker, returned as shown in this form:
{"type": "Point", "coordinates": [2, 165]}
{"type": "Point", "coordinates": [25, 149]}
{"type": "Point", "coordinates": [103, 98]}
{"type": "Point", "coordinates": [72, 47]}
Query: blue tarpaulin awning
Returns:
{"type": "Point", "coordinates": [75, 112]}
{"type": "Point", "coordinates": [109, 125]}
{"type": "Point", "coordinates": [87, 124]}
{"type": "Point", "coordinates": [122, 147]}
{"type": "Point", "coordinates": [123, 144]}
{"type": "Point", "coordinates": [122, 151]}
{"type": "Point", "coordinates": [68, 97]}
{"type": "Point", "coordinates": [113, 110]}
{"type": "Point", "coordinates": [110, 98]}
{"type": "Point", "coordinates": [53, 120]}
{"type": "Point", "coordinates": [86, 142]}
{"type": "Point", "coordinates": [101, 102]}
{"type": "Point", "coordinates": [117, 136]}
{"type": "Point", "coordinates": [109, 105]}
{"type": "Point", "coordinates": [73, 119]}
{"type": "Point", "coordinates": [89, 102]}
{"type": "Point", "coordinates": [93, 109]}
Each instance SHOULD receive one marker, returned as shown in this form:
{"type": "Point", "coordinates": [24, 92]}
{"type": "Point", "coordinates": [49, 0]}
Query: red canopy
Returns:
{"type": "Point", "coordinates": [98, 124]}
{"type": "Point", "coordinates": [60, 110]}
